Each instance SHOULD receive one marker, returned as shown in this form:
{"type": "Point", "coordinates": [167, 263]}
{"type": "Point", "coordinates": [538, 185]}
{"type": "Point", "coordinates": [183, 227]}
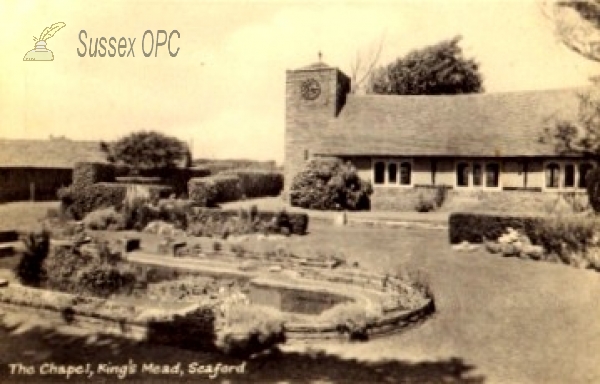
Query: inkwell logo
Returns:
{"type": "Point", "coordinates": [41, 53]}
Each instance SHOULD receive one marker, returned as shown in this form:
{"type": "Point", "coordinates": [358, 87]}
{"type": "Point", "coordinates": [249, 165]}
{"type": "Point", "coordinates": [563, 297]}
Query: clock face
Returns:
{"type": "Point", "coordinates": [310, 89]}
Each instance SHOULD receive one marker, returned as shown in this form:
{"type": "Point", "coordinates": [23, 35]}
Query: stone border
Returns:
{"type": "Point", "coordinates": [139, 328]}
{"type": "Point", "coordinates": [362, 286]}
{"type": "Point", "coordinates": [388, 324]}
{"type": "Point", "coordinates": [335, 281]}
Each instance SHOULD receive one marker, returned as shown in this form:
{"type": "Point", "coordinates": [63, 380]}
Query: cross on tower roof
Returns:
{"type": "Point", "coordinates": [320, 56]}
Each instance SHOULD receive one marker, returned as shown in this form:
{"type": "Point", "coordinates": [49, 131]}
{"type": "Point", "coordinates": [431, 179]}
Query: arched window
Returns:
{"type": "Point", "coordinates": [379, 173]}
{"type": "Point", "coordinates": [492, 173]}
{"type": "Point", "coordinates": [569, 180]}
{"type": "Point", "coordinates": [584, 169]}
{"type": "Point", "coordinates": [405, 171]}
{"type": "Point", "coordinates": [392, 173]}
{"type": "Point", "coordinates": [462, 174]}
{"type": "Point", "coordinates": [552, 175]}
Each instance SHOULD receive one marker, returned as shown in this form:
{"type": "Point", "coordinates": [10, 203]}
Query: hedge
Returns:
{"type": "Point", "coordinates": [234, 185]}
{"type": "Point", "coordinates": [77, 201]}
{"type": "Point", "coordinates": [85, 173]}
{"type": "Point", "coordinates": [212, 190]}
{"type": "Point", "coordinates": [142, 180]}
{"type": "Point", "coordinates": [298, 221]}
{"type": "Point", "coordinates": [178, 178]}
{"type": "Point", "coordinates": [258, 183]}
{"type": "Point", "coordinates": [475, 227]}
{"type": "Point", "coordinates": [559, 235]}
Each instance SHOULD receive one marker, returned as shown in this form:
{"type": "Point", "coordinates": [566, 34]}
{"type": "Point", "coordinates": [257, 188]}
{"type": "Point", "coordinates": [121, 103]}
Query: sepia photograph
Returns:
{"type": "Point", "coordinates": [302, 191]}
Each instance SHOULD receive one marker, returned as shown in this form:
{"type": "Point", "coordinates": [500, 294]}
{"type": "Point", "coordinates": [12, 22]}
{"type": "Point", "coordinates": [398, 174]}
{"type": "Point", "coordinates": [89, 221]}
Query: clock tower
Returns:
{"type": "Point", "coordinates": [314, 96]}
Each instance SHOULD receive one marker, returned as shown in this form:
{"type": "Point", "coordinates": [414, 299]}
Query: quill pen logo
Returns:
{"type": "Point", "coordinates": [40, 52]}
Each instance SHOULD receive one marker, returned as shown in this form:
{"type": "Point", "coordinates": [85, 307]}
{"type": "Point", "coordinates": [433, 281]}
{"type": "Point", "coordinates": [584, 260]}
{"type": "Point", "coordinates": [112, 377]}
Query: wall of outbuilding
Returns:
{"type": "Point", "coordinates": [29, 183]}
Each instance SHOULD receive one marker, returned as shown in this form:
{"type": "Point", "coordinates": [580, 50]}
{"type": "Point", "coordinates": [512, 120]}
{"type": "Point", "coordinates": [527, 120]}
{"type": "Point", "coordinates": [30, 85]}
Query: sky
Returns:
{"type": "Point", "coordinates": [224, 92]}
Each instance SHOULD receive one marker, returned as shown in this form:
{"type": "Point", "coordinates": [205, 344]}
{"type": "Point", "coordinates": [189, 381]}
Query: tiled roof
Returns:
{"type": "Point", "coordinates": [53, 153]}
{"type": "Point", "coordinates": [495, 124]}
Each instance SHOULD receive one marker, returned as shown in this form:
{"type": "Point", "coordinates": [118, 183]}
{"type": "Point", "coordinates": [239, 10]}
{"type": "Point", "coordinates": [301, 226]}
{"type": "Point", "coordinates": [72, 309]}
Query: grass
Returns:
{"type": "Point", "coordinates": [23, 215]}
{"type": "Point", "coordinates": [499, 320]}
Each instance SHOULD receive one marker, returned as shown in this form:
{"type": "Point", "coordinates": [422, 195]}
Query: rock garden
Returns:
{"type": "Point", "coordinates": [174, 271]}
{"type": "Point", "coordinates": [571, 240]}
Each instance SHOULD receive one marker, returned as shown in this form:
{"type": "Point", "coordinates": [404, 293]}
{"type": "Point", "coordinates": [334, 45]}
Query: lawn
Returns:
{"type": "Point", "coordinates": [498, 320]}
{"type": "Point", "coordinates": [23, 215]}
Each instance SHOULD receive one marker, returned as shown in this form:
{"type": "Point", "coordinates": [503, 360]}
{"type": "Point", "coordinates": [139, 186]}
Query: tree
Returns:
{"type": "Point", "coordinates": [361, 69]}
{"type": "Point", "coordinates": [147, 150]}
{"type": "Point", "coordinates": [330, 184]}
{"type": "Point", "coordinates": [439, 69]}
{"type": "Point", "coordinates": [577, 25]}
{"type": "Point", "coordinates": [582, 136]}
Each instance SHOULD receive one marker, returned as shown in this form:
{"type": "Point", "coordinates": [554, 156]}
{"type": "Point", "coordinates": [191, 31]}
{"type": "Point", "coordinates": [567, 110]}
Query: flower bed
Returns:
{"type": "Point", "coordinates": [354, 301]}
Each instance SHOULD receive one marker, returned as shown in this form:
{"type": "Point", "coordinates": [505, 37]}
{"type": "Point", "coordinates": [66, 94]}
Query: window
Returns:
{"type": "Point", "coordinates": [492, 172]}
{"type": "Point", "coordinates": [552, 175]}
{"type": "Point", "coordinates": [462, 175]}
{"type": "Point", "coordinates": [567, 175]}
{"type": "Point", "coordinates": [392, 173]}
{"type": "Point", "coordinates": [477, 174]}
{"type": "Point", "coordinates": [480, 174]}
{"type": "Point", "coordinates": [405, 170]}
{"type": "Point", "coordinates": [306, 154]}
{"type": "Point", "coordinates": [433, 171]}
{"type": "Point", "coordinates": [583, 172]}
{"type": "Point", "coordinates": [379, 172]}
{"type": "Point", "coordinates": [569, 180]}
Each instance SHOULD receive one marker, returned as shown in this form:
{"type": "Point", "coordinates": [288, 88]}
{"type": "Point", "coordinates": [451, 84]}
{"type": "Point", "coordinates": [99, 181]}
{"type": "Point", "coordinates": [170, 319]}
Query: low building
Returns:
{"type": "Point", "coordinates": [487, 142]}
{"type": "Point", "coordinates": [36, 169]}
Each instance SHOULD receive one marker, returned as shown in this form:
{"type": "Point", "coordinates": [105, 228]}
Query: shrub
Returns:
{"type": "Point", "coordinates": [431, 197]}
{"type": "Point", "coordinates": [216, 166]}
{"type": "Point", "coordinates": [105, 218]}
{"type": "Point", "coordinates": [137, 211]}
{"type": "Point", "coordinates": [329, 184]}
{"type": "Point", "coordinates": [299, 223]}
{"type": "Point", "coordinates": [62, 265]}
{"type": "Point", "coordinates": [30, 271]}
{"type": "Point", "coordinates": [258, 183]}
{"type": "Point", "coordinates": [212, 190]}
{"type": "Point", "coordinates": [174, 211]}
{"type": "Point", "coordinates": [178, 178]}
{"type": "Point", "coordinates": [577, 202]}
{"type": "Point", "coordinates": [209, 221]}
{"type": "Point", "coordinates": [425, 205]}
{"type": "Point", "coordinates": [94, 270]}
{"type": "Point", "coordinates": [282, 223]}
{"type": "Point", "coordinates": [565, 236]}
{"type": "Point", "coordinates": [77, 201]}
{"type": "Point", "coordinates": [475, 227]}
{"type": "Point", "coordinates": [187, 289]}
{"type": "Point", "coordinates": [562, 236]}
{"type": "Point", "coordinates": [103, 279]}
{"type": "Point", "coordinates": [86, 174]}
{"type": "Point", "coordinates": [250, 329]}
{"type": "Point", "coordinates": [593, 188]}
{"type": "Point", "coordinates": [349, 318]}
{"type": "Point", "coordinates": [140, 180]}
